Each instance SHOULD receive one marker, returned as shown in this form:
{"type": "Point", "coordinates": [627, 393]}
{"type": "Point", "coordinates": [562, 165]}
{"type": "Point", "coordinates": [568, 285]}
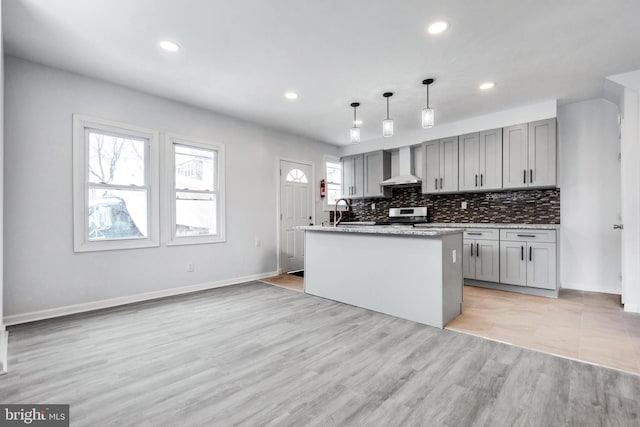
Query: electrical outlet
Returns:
{"type": "Point", "coordinates": [258, 242]}
{"type": "Point", "coordinates": [373, 206]}
{"type": "Point", "coordinates": [464, 205]}
{"type": "Point", "coordinates": [190, 267]}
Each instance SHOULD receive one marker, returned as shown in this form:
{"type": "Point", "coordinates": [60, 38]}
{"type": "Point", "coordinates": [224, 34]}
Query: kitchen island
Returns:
{"type": "Point", "coordinates": [412, 273]}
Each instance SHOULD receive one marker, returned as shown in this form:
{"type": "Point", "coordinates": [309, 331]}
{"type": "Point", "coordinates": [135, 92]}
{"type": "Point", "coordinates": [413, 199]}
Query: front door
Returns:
{"type": "Point", "coordinates": [296, 207]}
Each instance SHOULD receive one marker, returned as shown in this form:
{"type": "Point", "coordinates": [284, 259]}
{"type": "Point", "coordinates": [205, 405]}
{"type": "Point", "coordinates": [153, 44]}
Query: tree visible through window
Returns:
{"type": "Point", "coordinates": [117, 186]}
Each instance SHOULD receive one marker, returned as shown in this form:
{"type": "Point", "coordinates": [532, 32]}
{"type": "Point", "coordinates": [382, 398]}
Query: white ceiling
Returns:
{"type": "Point", "coordinates": [239, 57]}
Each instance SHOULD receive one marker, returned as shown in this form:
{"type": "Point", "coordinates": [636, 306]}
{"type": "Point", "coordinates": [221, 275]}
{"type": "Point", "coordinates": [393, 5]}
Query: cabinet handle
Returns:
{"type": "Point", "coordinates": [471, 249]}
{"type": "Point", "coordinates": [527, 235]}
{"type": "Point", "coordinates": [436, 183]}
{"type": "Point", "coordinates": [477, 249]}
{"type": "Point", "coordinates": [473, 234]}
{"type": "Point", "coordinates": [530, 254]}
{"type": "Point", "coordinates": [480, 180]}
{"type": "Point", "coordinates": [441, 183]}
{"type": "Point", "coordinates": [522, 253]}
{"type": "Point", "coordinates": [524, 177]}
{"type": "Point", "coordinates": [531, 176]}
{"type": "Point", "coordinates": [476, 180]}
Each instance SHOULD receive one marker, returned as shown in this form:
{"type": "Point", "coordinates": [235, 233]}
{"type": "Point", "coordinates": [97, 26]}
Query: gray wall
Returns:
{"type": "Point", "coordinates": [42, 271]}
{"type": "Point", "coordinates": [589, 178]}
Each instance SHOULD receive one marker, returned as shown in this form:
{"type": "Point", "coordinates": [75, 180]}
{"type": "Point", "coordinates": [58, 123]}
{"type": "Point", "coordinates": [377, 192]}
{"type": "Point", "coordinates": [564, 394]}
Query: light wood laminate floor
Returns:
{"type": "Point", "coordinates": [586, 326]}
{"type": "Point", "coordinates": [289, 281]}
{"type": "Point", "coordinates": [256, 354]}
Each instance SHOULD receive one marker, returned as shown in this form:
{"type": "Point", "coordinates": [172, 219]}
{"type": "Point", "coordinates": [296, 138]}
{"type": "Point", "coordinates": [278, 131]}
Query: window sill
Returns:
{"type": "Point", "coordinates": [114, 245]}
{"type": "Point", "coordinates": [196, 240]}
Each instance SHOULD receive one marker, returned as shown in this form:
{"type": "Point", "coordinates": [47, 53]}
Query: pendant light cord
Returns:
{"type": "Point", "coordinates": [354, 116]}
{"type": "Point", "coordinates": [387, 108]}
{"type": "Point", "coordinates": [428, 96]}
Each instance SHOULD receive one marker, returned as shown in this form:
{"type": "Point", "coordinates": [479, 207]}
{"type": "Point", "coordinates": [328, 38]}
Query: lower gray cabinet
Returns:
{"type": "Point", "coordinates": [528, 258]}
{"type": "Point", "coordinates": [513, 267]}
{"type": "Point", "coordinates": [481, 255]}
{"type": "Point", "coordinates": [541, 268]}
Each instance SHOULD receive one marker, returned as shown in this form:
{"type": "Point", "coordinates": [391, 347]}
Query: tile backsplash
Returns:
{"type": "Point", "coordinates": [523, 206]}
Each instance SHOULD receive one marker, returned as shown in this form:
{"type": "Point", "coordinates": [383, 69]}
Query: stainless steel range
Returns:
{"type": "Point", "coordinates": [405, 216]}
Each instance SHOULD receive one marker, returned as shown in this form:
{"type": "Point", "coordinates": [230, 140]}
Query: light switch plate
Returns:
{"type": "Point", "coordinates": [454, 254]}
{"type": "Point", "coordinates": [464, 205]}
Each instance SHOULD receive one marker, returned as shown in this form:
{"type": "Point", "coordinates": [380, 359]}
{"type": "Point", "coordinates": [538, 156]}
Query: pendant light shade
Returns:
{"type": "Point", "coordinates": [428, 115]}
{"type": "Point", "coordinates": [427, 118]}
{"type": "Point", "coordinates": [354, 132]}
{"type": "Point", "coordinates": [387, 124]}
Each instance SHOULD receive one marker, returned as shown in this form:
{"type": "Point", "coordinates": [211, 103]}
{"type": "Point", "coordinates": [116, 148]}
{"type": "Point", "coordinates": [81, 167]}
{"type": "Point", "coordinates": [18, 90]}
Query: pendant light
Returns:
{"type": "Point", "coordinates": [354, 132]}
{"type": "Point", "coordinates": [387, 124]}
{"type": "Point", "coordinates": [427, 113]}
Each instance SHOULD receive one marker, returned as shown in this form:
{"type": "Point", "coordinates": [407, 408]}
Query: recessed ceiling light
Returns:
{"type": "Point", "coordinates": [487, 85]}
{"type": "Point", "coordinates": [357, 122]}
{"type": "Point", "coordinates": [291, 95]}
{"type": "Point", "coordinates": [437, 27]}
{"type": "Point", "coordinates": [169, 46]}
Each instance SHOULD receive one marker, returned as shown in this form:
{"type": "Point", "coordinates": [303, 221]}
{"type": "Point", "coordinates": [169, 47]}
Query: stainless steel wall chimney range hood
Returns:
{"type": "Point", "coordinates": [405, 177]}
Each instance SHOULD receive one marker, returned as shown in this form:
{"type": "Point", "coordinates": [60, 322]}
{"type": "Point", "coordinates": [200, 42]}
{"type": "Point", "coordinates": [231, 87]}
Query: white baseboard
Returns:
{"type": "Point", "coordinates": [632, 308]}
{"type": "Point", "coordinates": [590, 287]}
{"type": "Point", "coordinates": [17, 319]}
{"type": "Point", "coordinates": [4, 343]}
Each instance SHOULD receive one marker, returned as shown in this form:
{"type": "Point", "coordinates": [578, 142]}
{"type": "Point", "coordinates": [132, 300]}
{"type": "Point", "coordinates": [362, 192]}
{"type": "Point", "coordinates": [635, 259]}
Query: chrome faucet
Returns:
{"type": "Point", "coordinates": [338, 220]}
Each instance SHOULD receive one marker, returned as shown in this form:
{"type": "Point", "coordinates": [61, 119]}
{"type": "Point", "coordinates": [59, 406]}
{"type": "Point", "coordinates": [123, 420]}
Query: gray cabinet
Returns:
{"type": "Point", "coordinates": [377, 168]}
{"type": "Point", "coordinates": [440, 166]}
{"type": "Point", "coordinates": [491, 159]}
{"type": "Point", "coordinates": [529, 155]}
{"type": "Point", "coordinates": [513, 267]}
{"type": "Point", "coordinates": [481, 255]}
{"type": "Point", "coordinates": [528, 258]}
{"type": "Point", "coordinates": [480, 166]}
{"type": "Point", "coordinates": [353, 176]}
{"type": "Point", "coordinates": [469, 167]}
{"type": "Point", "coordinates": [363, 173]}
{"type": "Point", "coordinates": [542, 153]}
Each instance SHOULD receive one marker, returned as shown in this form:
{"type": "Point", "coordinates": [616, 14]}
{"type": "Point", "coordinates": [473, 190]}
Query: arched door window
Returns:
{"type": "Point", "coordinates": [296, 175]}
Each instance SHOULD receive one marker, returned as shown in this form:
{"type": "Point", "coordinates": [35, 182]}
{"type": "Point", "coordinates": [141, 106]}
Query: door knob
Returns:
{"type": "Point", "coordinates": [618, 226]}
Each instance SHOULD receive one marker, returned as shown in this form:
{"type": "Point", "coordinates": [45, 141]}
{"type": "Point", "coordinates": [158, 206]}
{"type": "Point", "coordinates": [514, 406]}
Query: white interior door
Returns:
{"type": "Point", "coordinates": [295, 210]}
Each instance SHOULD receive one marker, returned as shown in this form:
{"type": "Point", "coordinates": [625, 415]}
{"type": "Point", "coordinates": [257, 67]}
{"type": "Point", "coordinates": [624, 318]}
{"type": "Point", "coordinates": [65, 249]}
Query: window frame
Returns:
{"type": "Point", "coordinates": [81, 184]}
{"type": "Point", "coordinates": [325, 201]}
{"type": "Point", "coordinates": [187, 141]}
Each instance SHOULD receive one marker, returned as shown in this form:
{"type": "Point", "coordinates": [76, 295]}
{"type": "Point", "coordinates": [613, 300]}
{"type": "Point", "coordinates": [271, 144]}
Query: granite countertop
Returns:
{"type": "Point", "coordinates": [490, 225]}
{"type": "Point", "coordinates": [381, 229]}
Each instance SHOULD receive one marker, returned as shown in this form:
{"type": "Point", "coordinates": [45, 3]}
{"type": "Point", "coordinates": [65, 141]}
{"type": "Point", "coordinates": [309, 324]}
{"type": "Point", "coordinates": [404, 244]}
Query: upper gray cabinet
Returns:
{"type": "Point", "coordinates": [440, 166]}
{"type": "Point", "coordinates": [542, 153]}
{"type": "Point", "coordinates": [377, 168]}
{"type": "Point", "coordinates": [480, 166]}
{"type": "Point", "coordinates": [353, 176]}
{"type": "Point", "coordinates": [363, 173]}
{"type": "Point", "coordinates": [529, 155]}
